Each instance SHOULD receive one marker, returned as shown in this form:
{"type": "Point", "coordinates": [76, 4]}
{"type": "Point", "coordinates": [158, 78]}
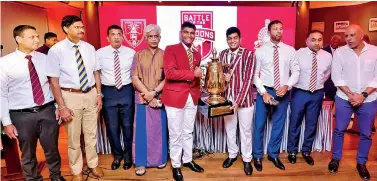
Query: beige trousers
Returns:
{"type": "Point", "coordinates": [85, 120]}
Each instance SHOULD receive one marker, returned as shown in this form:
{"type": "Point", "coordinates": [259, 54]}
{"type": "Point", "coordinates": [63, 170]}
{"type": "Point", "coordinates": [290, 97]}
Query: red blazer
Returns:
{"type": "Point", "coordinates": [179, 79]}
{"type": "Point", "coordinates": [240, 84]}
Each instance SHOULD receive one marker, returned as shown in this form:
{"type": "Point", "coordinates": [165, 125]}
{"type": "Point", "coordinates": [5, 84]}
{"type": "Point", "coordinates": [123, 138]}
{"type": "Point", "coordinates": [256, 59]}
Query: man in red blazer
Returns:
{"type": "Point", "coordinates": [180, 96]}
{"type": "Point", "coordinates": [239, 76]}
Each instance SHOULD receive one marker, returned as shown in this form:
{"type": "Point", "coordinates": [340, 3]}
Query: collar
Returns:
{"type": "Point", "coordinates": [71, 44]}
{"type": "Point", "coordinates": [280, 44]}
{"type": "Point", "coordinates": [366, 47]}
{"type": "Point", "coordinates": [310, 52]}
{"type": "Point", "coordinates": [235, 52]}
{"type": "Point", "coordinates": [186, 47]}
{"type": "Point", "coordinates": [23, 55]}
{"type": "Point", "coordinates": [120, 49]}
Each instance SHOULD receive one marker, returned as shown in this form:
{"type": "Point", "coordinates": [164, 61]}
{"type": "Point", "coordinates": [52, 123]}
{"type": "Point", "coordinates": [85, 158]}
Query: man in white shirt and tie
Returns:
{"type": "Point", "coordinates": [354, 72]}
{"type": "Point", "coordinates": [75, 81]}
{"type": "Point", "coordinates": [27, 104]}
{"type": "Point", "coordinates": [307, 95]}
{"type": "Point", "coordinates": [277, 70]}
{"type": "Point", "coordinates": [115, 61]}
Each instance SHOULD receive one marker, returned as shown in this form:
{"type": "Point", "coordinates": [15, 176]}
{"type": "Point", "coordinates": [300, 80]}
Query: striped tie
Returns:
{"type": "Point", "coordinates": [81, 68]}
{"type": "Point", "coordinates": [276, 68]}
{"type": "Point", "coordinates": [118, 81]}
{"type": "Point", "coordinates": [313, 77]}
{"type": "Point", "coordinates": [191, 59]}
{"type": "Point", "coordinates": [38, 96]}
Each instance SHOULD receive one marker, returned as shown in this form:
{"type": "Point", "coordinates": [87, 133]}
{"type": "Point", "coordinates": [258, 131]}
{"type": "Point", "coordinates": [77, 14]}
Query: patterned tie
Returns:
{"type": "Point", "coordinates": [191, 58]}
{"type": "Point", "coordinates": [231, 57]}
{"type": "Point", "coordinates": [118, 81]}
{"type": "Point", "coordinates": [276, 68]}
{"type": "Point", "coordinates": [81, 68]}
{"type": "Point", "coordinates": [313, 77]}
{"type": "Point", "coordinates": [38, 96]}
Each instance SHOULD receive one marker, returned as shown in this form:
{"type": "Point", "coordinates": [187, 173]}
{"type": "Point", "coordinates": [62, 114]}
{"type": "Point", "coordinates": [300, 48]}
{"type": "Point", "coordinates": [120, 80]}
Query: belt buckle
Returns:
{"type": "Point", "coordinates": [34, 110]}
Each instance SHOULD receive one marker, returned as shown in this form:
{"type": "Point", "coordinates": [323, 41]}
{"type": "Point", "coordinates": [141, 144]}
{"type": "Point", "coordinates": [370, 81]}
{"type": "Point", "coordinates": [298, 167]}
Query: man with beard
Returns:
{"type": "Point", "coordinates": [115, 62]}
{"type": "Point", "coordinates": [180, 95]}
{"type": "Point", "coordinates": [354, 72]}
{"type": "Point", "coordinates": [27, 104]}
{"type": "Point", "coordinates": [277, 70]}
{"type": "Point", "coordinates": [239, 78]}
{"type": "Point", "coordinates": [75, 81]}
{"type": "Point", "coordinates": [307, 95]}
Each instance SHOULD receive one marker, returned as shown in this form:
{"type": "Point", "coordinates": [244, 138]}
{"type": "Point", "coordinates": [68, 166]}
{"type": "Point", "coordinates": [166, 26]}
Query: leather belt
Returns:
{"type": "Point", "coordinates": [308, 90]}
{"type": "Point", "coordinates": [34, 109]}
{"type": "Point", "coordinates": [78, 90]}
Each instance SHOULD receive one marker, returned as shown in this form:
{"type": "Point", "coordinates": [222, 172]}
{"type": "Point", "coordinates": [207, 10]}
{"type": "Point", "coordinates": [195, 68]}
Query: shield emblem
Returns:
{"type": "Point", "coordinates": [204, 35]}
{"type": "Point", "coordinates": [133, 30]}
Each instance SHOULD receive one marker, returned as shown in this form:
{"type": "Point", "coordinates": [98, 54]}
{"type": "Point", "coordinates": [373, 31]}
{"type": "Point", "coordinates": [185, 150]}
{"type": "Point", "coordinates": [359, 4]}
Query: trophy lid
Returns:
{"type": "Point", "coordinates": [214, 53]}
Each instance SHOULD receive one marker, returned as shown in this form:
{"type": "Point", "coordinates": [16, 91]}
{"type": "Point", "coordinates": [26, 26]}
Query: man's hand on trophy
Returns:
{"type": "Point", "coordinates": [148, 96]}
{"type": "Point", "coordinates": [227, 77]}
{"type": "Point", "coordinates": [235, 107]}
{"type": "Point", "coordinates": [267, 98]}
{"type": "Point", "coordinates": [282, 91]}
{"type": "Point", "coordinates": [198, 72]}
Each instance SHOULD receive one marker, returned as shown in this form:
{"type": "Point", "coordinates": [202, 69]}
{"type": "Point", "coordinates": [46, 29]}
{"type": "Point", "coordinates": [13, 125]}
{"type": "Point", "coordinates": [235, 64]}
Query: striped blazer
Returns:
{"type": "Point", "coordinates": [242, 70]}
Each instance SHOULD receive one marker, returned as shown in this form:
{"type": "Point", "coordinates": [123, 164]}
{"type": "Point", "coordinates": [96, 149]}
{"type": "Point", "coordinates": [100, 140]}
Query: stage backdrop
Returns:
{"type": "Point", "coordinates": [211, 23]}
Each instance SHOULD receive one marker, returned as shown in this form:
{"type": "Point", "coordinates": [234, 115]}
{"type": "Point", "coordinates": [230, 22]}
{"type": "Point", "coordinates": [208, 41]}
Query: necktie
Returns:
{"type": "Point", "coordinates": [276, 69]}
{"type": "Point", "coordinates": [313, 77]}
{"type": "Point", "coordinates": [231, 57]}
{"type": "Point", "coordinates": [38, 96]}
{"type": "Point", "coordinates": [81, 68]}
{"type": "Point", "coordinates": [118, 81]}
{"type": "Point", "coordinates": [191, 58]}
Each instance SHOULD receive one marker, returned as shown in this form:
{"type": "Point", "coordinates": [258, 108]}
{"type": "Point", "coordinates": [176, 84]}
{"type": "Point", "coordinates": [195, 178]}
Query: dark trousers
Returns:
{"type": "Point", "coordinates": [304, 103]}
{"type": "Point", "coordinates": [366, 114]}
{"type": "Point", "coordinates": [118, 112]}
{"type": "Point", "coordinates": [279, 114]}
{"type": "Point", "coordinates": [30, 127]}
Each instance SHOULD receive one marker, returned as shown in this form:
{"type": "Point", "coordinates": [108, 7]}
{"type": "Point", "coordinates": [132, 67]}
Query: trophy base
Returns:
{"type": "Point", "coordinates": [213, 111]}
{"type": "Point", "coordinates": [215, 99]}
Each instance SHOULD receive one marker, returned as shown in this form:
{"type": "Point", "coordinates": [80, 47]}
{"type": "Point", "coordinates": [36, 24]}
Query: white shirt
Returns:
{"type": "Point", "coordinates": [305, 59]}
{"type": "Point", "coordinates": [16, 89]}
{"type": "Point", "coordinates": [264, 69]}
{"type": "Point", "coordinates": [61, 63]}
{"type": "Point", "coordinates": [105, 57]}
{"type": "Point", "coordinates": [356, 72]}
{"type": "Point", "coordinates": [230, 55]}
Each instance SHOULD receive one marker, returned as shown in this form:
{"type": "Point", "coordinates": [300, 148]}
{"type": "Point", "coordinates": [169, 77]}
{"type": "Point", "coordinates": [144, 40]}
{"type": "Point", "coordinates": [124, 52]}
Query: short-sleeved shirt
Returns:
{"type": "Point", "coordinates": [149, 68]}
{"type": "Point", "coordinates": [61, 63]}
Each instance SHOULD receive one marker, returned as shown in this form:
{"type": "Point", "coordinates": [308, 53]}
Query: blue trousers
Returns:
{"type": "Point", "coordinates": [366, 114]}
{"type": "Point", "coordinates": [279, 114]}
{"type": "Point", "coordinates": [304, 103]}
{"type": "Point", "coordinates": [118, 112]}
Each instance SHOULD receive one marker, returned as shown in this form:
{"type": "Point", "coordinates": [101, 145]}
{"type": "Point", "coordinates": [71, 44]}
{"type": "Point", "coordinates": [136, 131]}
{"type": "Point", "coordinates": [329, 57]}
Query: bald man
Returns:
{"type": "Point", "coordinates": [354, 73]}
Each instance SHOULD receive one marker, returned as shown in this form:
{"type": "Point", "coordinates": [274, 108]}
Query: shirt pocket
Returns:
{"type": "Point", "coordinates": [369, 65]}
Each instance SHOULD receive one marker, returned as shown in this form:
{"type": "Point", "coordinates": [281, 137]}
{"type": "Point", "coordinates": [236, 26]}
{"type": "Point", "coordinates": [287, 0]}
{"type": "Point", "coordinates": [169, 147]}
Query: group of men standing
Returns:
{"type": "Point", "coordinates": [151, 96]}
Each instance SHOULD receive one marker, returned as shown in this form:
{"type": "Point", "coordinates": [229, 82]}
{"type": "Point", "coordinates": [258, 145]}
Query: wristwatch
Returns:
{"type": "Point", "coordinates": [365, 94]}
{"type": "Point", "coordinates": [100, 95]}
{"type": "Point", "coordinates": [155, 92]}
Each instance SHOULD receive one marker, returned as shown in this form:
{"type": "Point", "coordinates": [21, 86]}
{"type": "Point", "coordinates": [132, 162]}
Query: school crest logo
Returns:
{"type": "Point", "coordinates": [263, 36]}
{"type": "Point", "coordinates": [133, 30]}
{"type": "Point", "coordinates": [205, 35]}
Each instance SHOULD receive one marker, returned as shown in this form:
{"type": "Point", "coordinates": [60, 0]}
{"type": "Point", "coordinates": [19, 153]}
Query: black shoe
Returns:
{"type": "Point", "coordinates": [247, 168]}
{"type": "Point", "coordinates": [292, 158]}
{"type": "Point", "coordinates": [373, 129]}
{"type": "Point", "coordinates": [193, 166]}
{"type": "Point", "coordinates": [229, 162]}
{"type": "Point", "coordinates": [127, 165]}
{"type": "Point", "coordinates": [177, 174]}
{"type": "Point", "coordinates": [116, 164]}
{"type": "Point", "coordinates": [308, 158]}
{"type": "Point", "coordinates": [258, 164]}
{"type": "Point", "coordinates": [276, 162]}
{"type": "Point", "coordinates": [363, 172]}
{"type": "Point", "coordinates": [333, 166]}
{"type": "Point", "coordinates": [59, 179]}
